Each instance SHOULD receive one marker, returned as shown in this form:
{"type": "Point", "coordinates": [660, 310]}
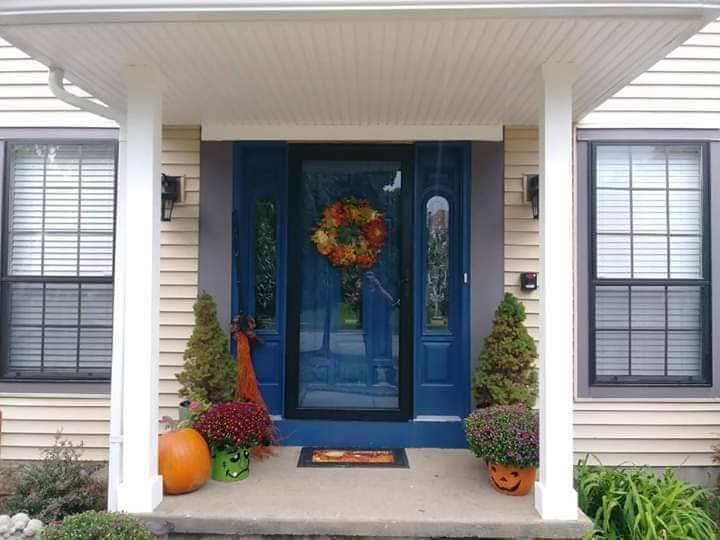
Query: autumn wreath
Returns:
{"type": "Point", "coordinates": [350, 234]}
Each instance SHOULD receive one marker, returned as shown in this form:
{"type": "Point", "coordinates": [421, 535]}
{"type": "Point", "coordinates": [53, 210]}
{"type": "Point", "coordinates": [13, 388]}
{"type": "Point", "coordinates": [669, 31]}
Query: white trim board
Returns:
{"type": "Point", "coordinates": [48, 11]}
{"type": "Point", "coordinates": [233, 132]}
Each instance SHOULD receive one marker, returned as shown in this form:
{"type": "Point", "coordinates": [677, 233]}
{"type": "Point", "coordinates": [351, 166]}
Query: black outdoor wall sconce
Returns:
{"type": "Point", "coordinates": [532, 193]}
{"type": "Point", "coordinates": [170, 195]}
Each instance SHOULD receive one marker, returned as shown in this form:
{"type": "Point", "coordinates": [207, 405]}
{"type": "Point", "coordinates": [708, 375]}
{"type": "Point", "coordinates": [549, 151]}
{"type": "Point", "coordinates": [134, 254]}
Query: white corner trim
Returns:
{"type": "Point", "coordinates": [406, 133]}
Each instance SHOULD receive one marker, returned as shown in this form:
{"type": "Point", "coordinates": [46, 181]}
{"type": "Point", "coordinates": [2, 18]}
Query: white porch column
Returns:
{"type": "Point", "coordinates": [140, 489]}
{"type": "Point", "coordinates": [555, 497]}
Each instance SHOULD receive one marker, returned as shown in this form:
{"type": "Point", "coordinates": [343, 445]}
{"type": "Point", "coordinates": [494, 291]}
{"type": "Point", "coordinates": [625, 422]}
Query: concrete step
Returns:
{"type": "Point", "coordinates": [443, 494]}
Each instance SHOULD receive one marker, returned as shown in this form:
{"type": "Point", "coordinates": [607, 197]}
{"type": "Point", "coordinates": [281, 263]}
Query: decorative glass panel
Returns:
{"type": "Point", "coordinates": [265, 263]}
{"type": "Point", "coordinates": [437, 263]}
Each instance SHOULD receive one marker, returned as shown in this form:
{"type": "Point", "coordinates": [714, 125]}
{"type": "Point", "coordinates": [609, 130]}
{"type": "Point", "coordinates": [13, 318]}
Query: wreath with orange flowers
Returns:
{"type": "Point", "coordinates": [351, 234]}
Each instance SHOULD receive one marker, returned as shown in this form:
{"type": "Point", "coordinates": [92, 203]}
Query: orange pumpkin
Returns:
{"type": "Point", "coordinates": [183, 461]}
{"type": "Point", "coordinates": [515, 481]}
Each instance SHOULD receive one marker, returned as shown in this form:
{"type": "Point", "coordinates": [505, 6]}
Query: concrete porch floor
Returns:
{"type": "Point", "coordinates": [444, 493]}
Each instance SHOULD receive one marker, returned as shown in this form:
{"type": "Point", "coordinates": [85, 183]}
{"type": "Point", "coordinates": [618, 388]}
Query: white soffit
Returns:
{"type": "Point", "coordinates": [356, 70]}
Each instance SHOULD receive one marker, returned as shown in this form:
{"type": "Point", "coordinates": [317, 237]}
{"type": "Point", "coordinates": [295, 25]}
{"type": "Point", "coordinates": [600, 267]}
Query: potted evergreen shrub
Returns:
{"type": "Point", "coordinates": [507, 438]}
{"type": "Point", "coordinates": [506, 372]}
{"type": "Point", "coordinates": [231, 430]}
{"type": "Point", "coordinates": [209, 372]}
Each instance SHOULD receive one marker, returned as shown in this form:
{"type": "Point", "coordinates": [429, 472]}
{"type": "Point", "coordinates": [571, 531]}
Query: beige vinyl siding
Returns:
{"type": "Point", "coordinates": [668, 433]}
{"type": "Point", "coordinates": [680, 91]}
{"type": "Point", "coordinates": [31, 420]}
{"type": "Point", "coordinates": [26, 100]}
{"type": "Point", "coordinates": [178, 260]}
{"type": "Point", "coordinates": [522, 239]}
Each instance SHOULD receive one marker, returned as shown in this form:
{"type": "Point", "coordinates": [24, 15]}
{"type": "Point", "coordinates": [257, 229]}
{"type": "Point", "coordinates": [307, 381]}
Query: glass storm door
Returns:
{"type": "Point", "coordinates": [348, 276]}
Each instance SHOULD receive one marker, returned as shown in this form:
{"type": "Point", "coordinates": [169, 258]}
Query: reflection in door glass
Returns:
{"type": "Point", "coordinates": [349, 285]}
{"type": "Point", "coordinates": [265, 262]}
{"type": "Point", "coordinates": [437, 263]}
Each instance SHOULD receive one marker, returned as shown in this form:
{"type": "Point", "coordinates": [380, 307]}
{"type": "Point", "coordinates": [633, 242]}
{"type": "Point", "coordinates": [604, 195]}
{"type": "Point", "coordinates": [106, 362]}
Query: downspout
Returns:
{"type": "Point", "coordinates": [57, 87]}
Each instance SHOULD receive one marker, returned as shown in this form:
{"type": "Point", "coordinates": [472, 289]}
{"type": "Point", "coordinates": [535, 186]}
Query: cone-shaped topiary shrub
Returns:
{"type": "Point", "coordinates": [506, 372]}
{"type": "Point", "coordinates": [209, 373]}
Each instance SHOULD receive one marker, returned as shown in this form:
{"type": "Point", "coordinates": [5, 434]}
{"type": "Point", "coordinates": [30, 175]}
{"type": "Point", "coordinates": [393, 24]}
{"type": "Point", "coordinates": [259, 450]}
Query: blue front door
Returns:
{"type": "Point", "coordinates": [370, 350]}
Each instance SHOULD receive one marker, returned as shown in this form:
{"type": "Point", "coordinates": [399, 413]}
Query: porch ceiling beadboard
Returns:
{"type": "Point", "coordinates": [356, 70]}
{"type": "Point", "coordinates": [30, 421]}
{"type": "Point", "coordinates": [667, 433]}
{"type": "Point", "coordinates": [680, 91]}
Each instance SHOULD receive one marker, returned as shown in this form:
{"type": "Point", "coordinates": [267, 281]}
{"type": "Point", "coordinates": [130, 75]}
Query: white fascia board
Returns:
{"type": "Point", "coordinates": [238, 132]}
{"type": "Point", "coordinates": [49, 11]}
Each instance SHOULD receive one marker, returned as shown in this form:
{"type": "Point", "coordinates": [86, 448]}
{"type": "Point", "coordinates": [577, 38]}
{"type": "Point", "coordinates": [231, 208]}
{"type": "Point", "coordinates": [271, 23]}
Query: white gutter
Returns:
{"type": "Point", "coordinates": [57, 87]}
{"type": "Point", "coordinates": [118, 353]}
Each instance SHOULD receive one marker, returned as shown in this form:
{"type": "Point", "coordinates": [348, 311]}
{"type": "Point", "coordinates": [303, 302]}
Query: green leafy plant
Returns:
{"type": "Point", "coordinates": [634, 504]}
{"type": "Point", "coordinates": [209, 372]}
{"type": "Point", "coordinates": [98, 526]}
{"type": "Point", "coordinates": [60, 485]}
{"type": "Point", "coordinates": [506, 372]}
{"type": "Point", "coordinates": [504, 434]}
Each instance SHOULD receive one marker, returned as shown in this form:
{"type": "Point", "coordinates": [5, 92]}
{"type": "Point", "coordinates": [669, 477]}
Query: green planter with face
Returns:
{"type": "Point", "coordinates": [230, 464]}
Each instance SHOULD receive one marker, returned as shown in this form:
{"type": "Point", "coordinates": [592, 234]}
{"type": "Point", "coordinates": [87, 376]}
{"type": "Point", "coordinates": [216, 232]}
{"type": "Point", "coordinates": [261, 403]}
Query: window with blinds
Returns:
{"type": "Point", "coordinates": [650, 286]}
{"type": "Point", "coordinates": [58, 230]}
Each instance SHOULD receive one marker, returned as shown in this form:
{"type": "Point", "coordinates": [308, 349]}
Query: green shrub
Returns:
{"type": "Point", "coordinates": [506, 372]}
{"type": "Point", "coordinates": [59, 485]}
{"type": "Point", "coordinates": [627, 504]}
{"type": "Point", "coordinates": [98, 526]}
{"type": "Point", "coordinates": [209, 372]}
{"type": "Point", "coordinates": [9, 475]}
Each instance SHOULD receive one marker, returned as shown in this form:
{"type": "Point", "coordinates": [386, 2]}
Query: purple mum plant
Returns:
{"type": "Point", "coordinates": [504, 434]}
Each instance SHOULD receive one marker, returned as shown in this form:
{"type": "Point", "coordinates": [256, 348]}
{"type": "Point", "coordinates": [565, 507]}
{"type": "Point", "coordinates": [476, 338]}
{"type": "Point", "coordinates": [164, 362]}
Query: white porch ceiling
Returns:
{"type": "Point", "coordinates": [351, 70]}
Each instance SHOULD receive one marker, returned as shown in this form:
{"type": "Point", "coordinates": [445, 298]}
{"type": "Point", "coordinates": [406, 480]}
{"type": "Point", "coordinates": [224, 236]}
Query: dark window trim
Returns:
{"type": "Point", "coordinates": [647, 389]}
{"type": "Point", "coordinates": [29, 382]}
{"type": "Point", "coordinates": [646, 136]}
{"type": "Point", "coordinates": [594, 281]}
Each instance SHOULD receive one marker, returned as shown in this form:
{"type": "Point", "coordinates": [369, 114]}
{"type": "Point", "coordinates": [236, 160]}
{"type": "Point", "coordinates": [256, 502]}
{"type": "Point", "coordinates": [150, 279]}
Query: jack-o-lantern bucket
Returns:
{"type": "Point", "coordinates": [514, 481]}
{"type": "Point", "coordinates": [230, 465]}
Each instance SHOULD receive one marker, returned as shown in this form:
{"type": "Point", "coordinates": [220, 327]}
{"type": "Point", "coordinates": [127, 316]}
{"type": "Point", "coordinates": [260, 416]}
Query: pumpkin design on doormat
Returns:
{"type": "Point", "coordinates": [353, 456]}
{"type": "Point", "coordinates": [515, 481]}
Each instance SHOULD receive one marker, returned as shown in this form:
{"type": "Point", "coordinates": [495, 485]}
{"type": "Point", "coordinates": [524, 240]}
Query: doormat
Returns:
{"type": "Point", "coordinates": [353, 457]}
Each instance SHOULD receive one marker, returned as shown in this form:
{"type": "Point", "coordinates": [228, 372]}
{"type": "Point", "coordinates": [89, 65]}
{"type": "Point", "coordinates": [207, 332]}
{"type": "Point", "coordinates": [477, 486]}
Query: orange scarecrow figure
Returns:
{"type": "Point", "coordinates": [246, 386]}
